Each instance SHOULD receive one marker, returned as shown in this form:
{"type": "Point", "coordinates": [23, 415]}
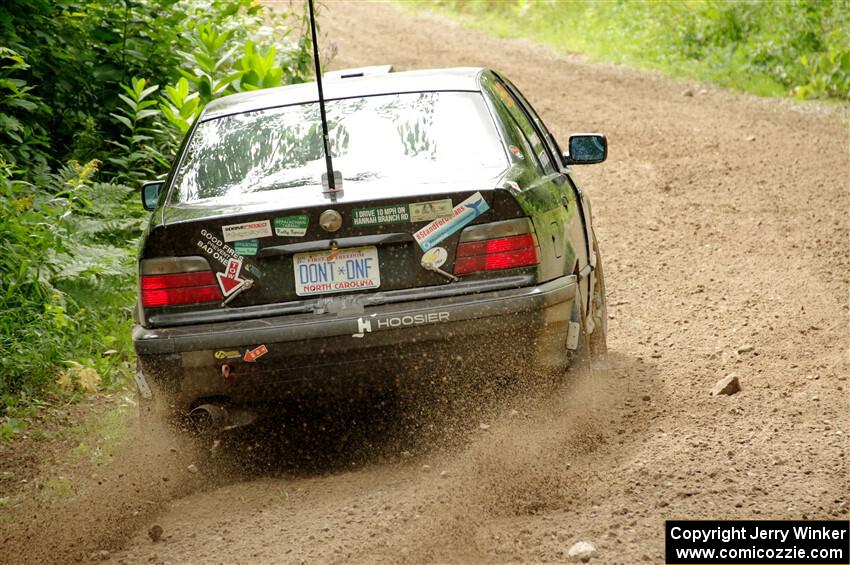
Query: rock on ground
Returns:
{"type": "Point", "coordinates": [581, 551]}
{"type": "Point", "coordinates": [727, 385]}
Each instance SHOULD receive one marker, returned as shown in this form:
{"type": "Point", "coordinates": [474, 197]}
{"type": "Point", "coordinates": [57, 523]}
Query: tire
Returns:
{"type": "Point", "coordinates": [599, 309]}
{"type": "Point", "coordinates": [594, 345]}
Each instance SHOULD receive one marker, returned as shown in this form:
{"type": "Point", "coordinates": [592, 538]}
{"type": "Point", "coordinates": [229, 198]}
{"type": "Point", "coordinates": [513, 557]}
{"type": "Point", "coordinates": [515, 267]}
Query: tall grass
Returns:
{"type": "Point", "coordinates": [768, 47]}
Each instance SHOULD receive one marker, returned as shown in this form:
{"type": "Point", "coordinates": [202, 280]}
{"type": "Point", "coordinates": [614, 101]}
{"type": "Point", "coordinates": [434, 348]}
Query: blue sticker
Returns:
{"type": "Point", "coordinates": [441, 228]}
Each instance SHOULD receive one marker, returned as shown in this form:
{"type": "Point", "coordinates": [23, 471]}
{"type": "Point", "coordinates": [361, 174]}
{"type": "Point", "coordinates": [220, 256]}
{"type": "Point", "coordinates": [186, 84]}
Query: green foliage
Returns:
{"type": "Point", "coordinates": [796, 47]}
{"type": "Point", "coordinates": [139, 156]}
{"type": "Point", "coordinates": [209, 67]}
{"type": "Point", "coordinates": [115, 85]}
{"type": "Point", "coordinates": [179, 107]}
{"type": "Point", "coordinates": [22, 137]}
{"type": "Point", "coordinates": [66, 277]}
{"type": "Point", "coordinates": [258, 70]}
{"type": "Point", "coordinates": [210, 64]}
{"type": "Point", "coordinates": [80, 52]}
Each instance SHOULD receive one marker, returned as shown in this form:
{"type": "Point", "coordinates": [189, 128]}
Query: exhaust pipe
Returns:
{"type": "Point", "coordinates": [208, 417]}
{"type": "Point", "coordinates": [215, 417]}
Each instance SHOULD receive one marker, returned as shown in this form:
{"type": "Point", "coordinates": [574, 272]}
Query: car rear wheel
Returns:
{"type": "Point", "coordinates": [595, 344]}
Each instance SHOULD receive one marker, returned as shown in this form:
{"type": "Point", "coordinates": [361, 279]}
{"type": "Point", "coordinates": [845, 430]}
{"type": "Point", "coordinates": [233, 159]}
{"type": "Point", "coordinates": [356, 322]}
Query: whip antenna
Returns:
{"type": "Point", "coordinates": [330, 179]}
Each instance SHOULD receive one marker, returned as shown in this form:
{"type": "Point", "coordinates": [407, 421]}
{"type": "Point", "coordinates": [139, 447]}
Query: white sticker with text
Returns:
{"type": "Point", "coordinates": [248, 230]}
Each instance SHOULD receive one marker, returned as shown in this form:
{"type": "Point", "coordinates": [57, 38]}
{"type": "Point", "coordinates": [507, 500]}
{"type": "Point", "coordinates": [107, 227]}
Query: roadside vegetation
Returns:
{"type": "Point", "coordinates": [95, 96]}
{"type": "Point", "coordinates": [796, 48]}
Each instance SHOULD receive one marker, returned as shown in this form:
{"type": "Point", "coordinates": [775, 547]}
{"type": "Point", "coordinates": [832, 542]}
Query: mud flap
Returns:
{"type": "Point", "coordinates": [142, 385]}
{"type": "Point", "coordinates": [573, 334]}
{"type": "Point", "coordinates": [577, 336]}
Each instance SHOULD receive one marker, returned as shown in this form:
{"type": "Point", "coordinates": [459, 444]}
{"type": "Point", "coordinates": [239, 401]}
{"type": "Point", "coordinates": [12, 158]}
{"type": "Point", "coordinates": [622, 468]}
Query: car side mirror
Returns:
{"type": "Point", "coordinates": [586, 149]}
{"type": "Point", "coordinates": [150, 194]}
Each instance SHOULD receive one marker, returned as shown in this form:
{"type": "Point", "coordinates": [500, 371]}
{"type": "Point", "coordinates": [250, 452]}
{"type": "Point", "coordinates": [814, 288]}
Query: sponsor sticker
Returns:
{"type": "Point", "coordinates": [291, 226]}
{"type": "Point", "coordinates": [216, 248]}
{"type": "Point", "coordinates": [395, 214]}
{"type": "Point", "coordinates": [374, 323]}
{"type": "Point", "coordinates": [435, 258]}
{"type": "Point", "coordinates": [248, 230]}
{"type": "Point", "coordinates": [227, 354]}
{"type": "Point", "coordinates": [246, 246]}
{"type": "Point", "coordinates": [441, 228]}
{"type": "Point", "coordinates": [229, 280]}
{"type": "Point", "coordinates": [253, 354]}
{"type": "Point", "coordinates": [426, 211]}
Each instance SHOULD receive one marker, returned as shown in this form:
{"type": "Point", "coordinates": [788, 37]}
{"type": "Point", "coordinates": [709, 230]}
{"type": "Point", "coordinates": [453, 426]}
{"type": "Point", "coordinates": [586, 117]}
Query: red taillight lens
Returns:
{"type": "Point", "coordinates": [176, 280]}
{"type": "Point", "coordinates": [496, 254]}
{"type": "Point", "coordinates": [500, 245]}
{"type": "Point", "coordinates": [179, 288]}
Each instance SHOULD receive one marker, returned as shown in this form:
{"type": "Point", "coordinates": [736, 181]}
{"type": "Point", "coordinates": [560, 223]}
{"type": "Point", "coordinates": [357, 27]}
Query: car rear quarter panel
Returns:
{"type": "Point", "coordinates": [541, 198]}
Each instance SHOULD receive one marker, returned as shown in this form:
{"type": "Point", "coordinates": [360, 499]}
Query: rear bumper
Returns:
{"type": "Point", "coordinates": [337, 351]}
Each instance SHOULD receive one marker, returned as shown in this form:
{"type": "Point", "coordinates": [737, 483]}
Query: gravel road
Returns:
{"type": "Point", "coordinates": [723, 222]}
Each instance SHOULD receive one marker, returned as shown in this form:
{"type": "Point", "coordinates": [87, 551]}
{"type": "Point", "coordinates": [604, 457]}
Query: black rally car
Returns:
{"type": "Point", "coordinates": [454, 239]}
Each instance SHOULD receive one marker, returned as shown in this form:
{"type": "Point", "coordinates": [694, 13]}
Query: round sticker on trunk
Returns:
{"type": "Point", "coordinates": [435, 258]}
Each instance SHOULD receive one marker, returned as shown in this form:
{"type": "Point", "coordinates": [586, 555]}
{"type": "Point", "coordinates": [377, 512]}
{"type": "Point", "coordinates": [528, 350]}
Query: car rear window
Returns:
{"type": "Point", "coordinates": [428, 136]}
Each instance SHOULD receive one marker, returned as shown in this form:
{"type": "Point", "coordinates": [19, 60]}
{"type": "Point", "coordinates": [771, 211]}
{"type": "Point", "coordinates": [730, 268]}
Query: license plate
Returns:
{"type": "Point", "coordinates": [338, 270]}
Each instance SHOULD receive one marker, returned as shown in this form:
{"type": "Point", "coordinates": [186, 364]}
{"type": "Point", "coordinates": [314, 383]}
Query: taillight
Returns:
{"type": "Point", "coordinates": [496, 246]}
{"type": "Point", "coordinates": [178, 281]}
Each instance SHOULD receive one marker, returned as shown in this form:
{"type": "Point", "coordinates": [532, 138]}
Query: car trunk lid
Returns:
{"type": "Point", "coordinates": [270, 255]}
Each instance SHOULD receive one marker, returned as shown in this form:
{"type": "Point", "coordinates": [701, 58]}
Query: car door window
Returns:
{"type": "Point", "coordinates": [515, 139]}
{"type": "Point", "coordinates": [515, 108]}
{"type": "Point", "coordinates": [554, 148]}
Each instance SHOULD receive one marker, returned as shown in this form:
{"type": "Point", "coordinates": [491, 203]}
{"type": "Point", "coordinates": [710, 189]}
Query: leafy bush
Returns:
{"type": "Point", "coordinates": [180, 108]}
{"type": "Point", "coordinates": [62, 252]}
{"type": "Point", "coordinates": [797, 47]}
{"type": "Point", "coordinates": [116, 86]}
{"type": "Point", "coordinates": [80, 52]}
{"type": "Point", "coordinates": [139, 158]}
{"type": "Point", "coordinates": [218, 60]}
{"type": "Point", "coordinates": [22, 137]}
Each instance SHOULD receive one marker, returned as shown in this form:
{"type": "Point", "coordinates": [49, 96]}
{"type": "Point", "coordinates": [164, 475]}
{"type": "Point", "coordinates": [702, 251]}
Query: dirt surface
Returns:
{"type": "Point", "coordinates": [723, 222]}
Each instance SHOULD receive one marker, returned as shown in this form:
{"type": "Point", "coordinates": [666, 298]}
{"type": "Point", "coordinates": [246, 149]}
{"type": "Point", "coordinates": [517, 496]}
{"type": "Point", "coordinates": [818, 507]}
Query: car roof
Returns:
{"type": "Point", "coordinates": [431, 80]}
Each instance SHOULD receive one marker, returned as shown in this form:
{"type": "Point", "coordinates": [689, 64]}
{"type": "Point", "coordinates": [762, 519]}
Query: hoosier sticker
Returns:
{"type": "Point", "coordinates": [365, 325]}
